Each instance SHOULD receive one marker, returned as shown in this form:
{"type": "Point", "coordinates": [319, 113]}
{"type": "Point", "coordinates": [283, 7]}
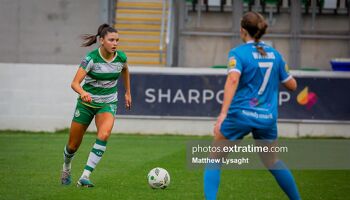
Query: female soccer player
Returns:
{"type": "Point", "coordinates": [250, 101]}
{"type": "Point", "coordinates": [98, 98]}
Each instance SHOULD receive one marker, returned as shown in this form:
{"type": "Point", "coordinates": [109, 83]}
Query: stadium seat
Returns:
{"type": "Point", "coordinates": [271, 4]}
{"type": "Point", "coordinates": [250, 3]}
{"type": "Point", "coordinates": [193, 3]}
{"type": "Point", "coordinates": [307, 4]}
{"type": "Point", "coordinates": [208, 3]}
{"type": "Point", "coordinates": [274, 3]}
{"type": "Point", "coordinates": [329, 4]}
{"type": "Point", "coordinates": [322, 4]}
{"type": "Point", "coordinates": [220, 3]}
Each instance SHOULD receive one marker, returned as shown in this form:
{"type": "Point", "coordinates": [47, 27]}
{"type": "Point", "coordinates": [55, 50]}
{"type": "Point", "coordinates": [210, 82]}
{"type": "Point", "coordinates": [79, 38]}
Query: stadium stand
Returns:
{"type": "Point", "coordinates": [142, 26]}
{"type": "Point", "coordinates": [299, 28]}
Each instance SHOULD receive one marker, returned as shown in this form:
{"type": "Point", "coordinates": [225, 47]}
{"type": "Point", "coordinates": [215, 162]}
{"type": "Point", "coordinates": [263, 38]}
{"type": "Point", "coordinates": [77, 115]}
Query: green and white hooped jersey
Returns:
{"type": "Point", "coordinates": [102, 76]}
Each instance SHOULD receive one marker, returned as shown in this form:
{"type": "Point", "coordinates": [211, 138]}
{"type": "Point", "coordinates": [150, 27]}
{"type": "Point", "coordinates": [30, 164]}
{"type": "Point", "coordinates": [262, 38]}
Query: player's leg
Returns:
{"type": "Point", "coordinates": [76, 134]}
{"type": "Point", "coordinates": [104, 122]}
{"type": "Point", "coordinates": [81, 120]}
{"type": "Point", "coordinates": [212, 171]}
{"type": "Point", "coordinates": [277, 168]}
{"type": "Point", "coordinates": [229, 131]}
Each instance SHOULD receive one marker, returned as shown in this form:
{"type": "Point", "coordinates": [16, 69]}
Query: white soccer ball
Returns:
{"type": "Point", "coordinates": [158, 178]}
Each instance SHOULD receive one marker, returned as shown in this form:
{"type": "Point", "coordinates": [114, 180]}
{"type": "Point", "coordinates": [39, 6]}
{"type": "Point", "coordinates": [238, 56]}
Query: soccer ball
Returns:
{"type": "Point", "coordinates": [158, 178]}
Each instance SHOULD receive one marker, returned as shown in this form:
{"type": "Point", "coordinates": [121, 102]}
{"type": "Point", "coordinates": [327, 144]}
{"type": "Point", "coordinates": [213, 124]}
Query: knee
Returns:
{"type": "Point", "coordinates": [270, 164]}
{"type": "Point", "coordinates": [103, 135]}
{"type": "Point", "coordinates": [218, 135]}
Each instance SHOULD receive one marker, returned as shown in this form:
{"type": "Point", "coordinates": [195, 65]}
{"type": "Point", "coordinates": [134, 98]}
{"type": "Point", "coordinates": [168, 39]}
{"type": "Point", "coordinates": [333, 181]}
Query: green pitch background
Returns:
{"type": "Point", "coordinates": [30, 165]}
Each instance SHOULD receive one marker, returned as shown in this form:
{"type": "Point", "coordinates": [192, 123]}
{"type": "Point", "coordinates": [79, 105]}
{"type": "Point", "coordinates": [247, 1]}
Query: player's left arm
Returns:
{"type": "Point", "coordinates": [290, 84]}
{"type": "Point", "coordinates": [126, 79]}
{"type": "Point", "coordinates": [285, 77]}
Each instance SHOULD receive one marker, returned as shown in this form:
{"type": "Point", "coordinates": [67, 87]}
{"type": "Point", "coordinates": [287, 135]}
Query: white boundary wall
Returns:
{"type": "Point", "coordinates": [38, 97]}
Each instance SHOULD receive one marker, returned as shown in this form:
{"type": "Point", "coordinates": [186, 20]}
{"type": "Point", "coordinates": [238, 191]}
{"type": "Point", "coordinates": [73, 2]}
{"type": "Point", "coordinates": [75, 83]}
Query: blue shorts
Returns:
{"type": "Point", "coordinates": [236, 131]}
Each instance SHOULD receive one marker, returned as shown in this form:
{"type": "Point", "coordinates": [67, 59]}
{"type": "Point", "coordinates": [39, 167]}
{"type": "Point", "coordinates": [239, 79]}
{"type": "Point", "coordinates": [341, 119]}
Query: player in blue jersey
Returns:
{"type": "Point", "coordinates": [250, 103]}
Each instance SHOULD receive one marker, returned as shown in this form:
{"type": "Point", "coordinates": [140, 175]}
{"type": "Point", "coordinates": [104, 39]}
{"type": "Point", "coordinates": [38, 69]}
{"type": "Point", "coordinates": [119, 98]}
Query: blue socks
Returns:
{"type": "Point", "coordinates": [211, 182]}
{"type": "Point", "coordinates": [285, 180]}
{"type": "Point", "coordinates": [280, 171]}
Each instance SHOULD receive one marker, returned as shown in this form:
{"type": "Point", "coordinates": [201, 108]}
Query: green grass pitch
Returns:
{"type": "Point", "coordinates": [30, 165]}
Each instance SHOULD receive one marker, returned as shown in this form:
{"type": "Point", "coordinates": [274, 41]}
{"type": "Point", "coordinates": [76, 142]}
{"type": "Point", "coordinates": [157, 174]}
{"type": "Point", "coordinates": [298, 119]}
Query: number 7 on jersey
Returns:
{"type": "Point", "coordinates": [267, 65]}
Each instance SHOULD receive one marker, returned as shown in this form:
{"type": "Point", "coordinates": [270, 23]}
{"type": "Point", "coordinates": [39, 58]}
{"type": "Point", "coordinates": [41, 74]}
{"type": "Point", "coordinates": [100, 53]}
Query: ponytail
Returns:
{"type": "Point", "coordinates": [260, 49]}
{"type": "Point", "coordinates": [89, 39]}
{"type": "Point", "coordinates": [256, 26]}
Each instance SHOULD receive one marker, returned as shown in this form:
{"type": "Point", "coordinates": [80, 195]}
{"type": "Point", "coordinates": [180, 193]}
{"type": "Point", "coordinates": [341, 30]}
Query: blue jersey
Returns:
{"type": "Point", "coordinates": [256, 100]}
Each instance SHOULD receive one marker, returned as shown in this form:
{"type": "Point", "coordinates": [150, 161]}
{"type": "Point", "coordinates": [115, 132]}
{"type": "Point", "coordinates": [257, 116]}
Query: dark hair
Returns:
{"type": "Point", "coordinates": [89, 39]}
{"type": "Point", "coordinates": [256, 26]}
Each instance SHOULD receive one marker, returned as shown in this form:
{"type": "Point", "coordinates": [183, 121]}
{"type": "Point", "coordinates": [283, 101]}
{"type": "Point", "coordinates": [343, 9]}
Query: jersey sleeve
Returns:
{"type": "Point", "coordinates": [123, 57]}
{"type": "Point", "coordinates": [86, 63]}
{"type": "Point", "coordinates": [283, 71]}
{"type": "Point", "coordinates": [234, 64]}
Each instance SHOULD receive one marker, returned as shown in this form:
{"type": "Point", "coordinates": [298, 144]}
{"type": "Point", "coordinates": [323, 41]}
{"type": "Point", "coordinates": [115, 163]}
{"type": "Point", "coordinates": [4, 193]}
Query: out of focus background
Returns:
{"type": "Point", "coordinates": [309, 33]}
{"type": "Point", "coordinates": [177, 54]}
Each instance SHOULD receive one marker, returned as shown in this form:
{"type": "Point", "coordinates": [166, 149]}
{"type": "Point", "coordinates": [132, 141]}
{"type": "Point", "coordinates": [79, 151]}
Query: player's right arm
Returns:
{"type": "Point", "coordinates": [78, 78]}
{"type": "Point", "coordinates": [85, 66]}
